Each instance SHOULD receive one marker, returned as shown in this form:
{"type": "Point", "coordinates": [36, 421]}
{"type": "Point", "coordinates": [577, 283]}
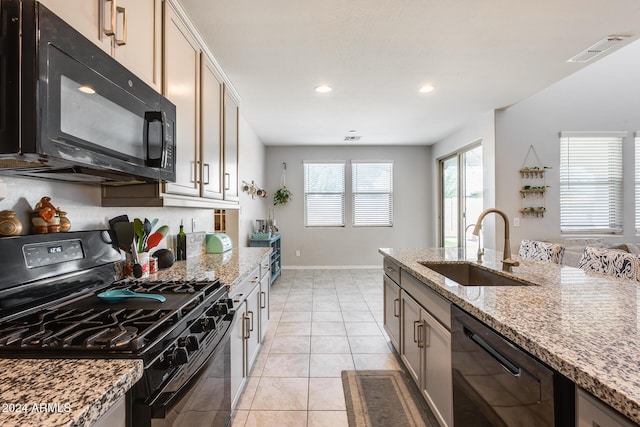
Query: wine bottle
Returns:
{"type": "Point", "coordinates": [181, 244]}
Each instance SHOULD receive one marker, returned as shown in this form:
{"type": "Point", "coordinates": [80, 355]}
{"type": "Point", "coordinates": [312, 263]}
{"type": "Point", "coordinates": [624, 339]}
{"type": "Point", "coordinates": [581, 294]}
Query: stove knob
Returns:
{"type": "Point", "coordinates": [179, 356]}
{"type": "Point", "coordinates": [220, 309]}
{"type": "Point", "coordinates": [190, 342]}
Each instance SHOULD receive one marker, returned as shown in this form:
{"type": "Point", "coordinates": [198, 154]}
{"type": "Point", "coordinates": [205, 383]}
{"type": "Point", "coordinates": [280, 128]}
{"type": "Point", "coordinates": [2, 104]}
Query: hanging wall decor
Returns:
{"type": "Point", "coordinates": [283, 194]}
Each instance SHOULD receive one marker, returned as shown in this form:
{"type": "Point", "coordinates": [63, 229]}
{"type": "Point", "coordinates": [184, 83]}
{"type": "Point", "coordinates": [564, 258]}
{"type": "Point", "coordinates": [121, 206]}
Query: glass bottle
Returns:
{"type": "Point", "coordinates": [181, 244]}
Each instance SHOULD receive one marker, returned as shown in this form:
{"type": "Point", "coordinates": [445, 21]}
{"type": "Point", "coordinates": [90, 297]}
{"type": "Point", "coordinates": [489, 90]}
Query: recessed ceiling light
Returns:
{"type": "Point", "coordinates": [87, 89]}
{"type": "Point", "coordinates": [427, 88]}
{"type": "Point", "coordinates": [353, 131]}
{"type": "Point", "coordinates": [323, 89]}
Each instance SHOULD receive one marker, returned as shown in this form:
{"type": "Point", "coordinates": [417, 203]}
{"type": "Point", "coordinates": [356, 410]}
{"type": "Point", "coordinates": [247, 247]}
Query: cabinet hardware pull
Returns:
{"type": "Point", "coordinates": [420, 329]}
{"type": "Point", "coordinates": [389, 269]}
{"type": "Point", "coordinates": [251, 327]}
{"type": "Point", "coordinates": [254, 280]}
{"type": "Point", "coordinates": [415, 339]}
{"type": "Point", "coordinates": [263, 299]}
{"type": "Point", "coordinates": [108, 31]}
{"type": "Point", "coordinates": [193, 172]}
{"type": "Point", "coordinates": [395, 312]}
{"type": "Point", "coordinates": [123, 40]}
{"type": "Point", "coordinates": [502, 360]}
{"type": "Point", "coordinates": [245, 329]}
{"type": "Point", "coordinates": [427, 335]}
{"type": "Point", "coordinates": [227, 181]}
{"type": "Point", "coordinates": [205, 165]}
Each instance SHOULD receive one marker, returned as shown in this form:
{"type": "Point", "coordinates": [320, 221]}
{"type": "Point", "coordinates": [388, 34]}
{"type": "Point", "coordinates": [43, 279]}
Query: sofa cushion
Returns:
{"type": "Point", "coordinates": [614, 263]}
{"type": "Point", "coordinates": [541, 251]}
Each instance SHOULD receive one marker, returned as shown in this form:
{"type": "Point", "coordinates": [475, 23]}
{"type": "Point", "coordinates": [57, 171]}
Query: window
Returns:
{"type": "Point", "coordinates": [372, 188]}
{"type": "Point", "coordinates": [324, 194]}
{"type": "Point", "coordinates": [591, 182]}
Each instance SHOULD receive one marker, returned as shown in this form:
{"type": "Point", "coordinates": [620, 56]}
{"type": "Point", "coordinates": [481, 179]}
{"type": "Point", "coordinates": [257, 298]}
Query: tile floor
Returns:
{"type": "Point", "coordinates": [322, 322]}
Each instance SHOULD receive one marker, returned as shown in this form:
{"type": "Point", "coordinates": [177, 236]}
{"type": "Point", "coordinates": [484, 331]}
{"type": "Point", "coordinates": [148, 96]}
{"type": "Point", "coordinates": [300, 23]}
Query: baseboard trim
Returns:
{"type": "Point", "coordinates": [331, 267]}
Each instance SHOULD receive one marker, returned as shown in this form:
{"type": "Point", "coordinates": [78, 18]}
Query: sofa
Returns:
{"type": "Point", "coordinates": [574, 248]}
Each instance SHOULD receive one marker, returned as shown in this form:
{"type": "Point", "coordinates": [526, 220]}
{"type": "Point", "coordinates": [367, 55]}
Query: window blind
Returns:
{"type": "Point", "coordinates": [591, 183]}
{"type": "Point", "coordinates": [637, 179]}
{"type": "Point", "coordinates": [372, 190]}
{"type": "Point", "coordinates": [324, 194]}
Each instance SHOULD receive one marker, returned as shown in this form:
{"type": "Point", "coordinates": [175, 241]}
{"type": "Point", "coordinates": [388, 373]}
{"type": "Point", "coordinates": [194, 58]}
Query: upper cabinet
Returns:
{"type": "Point", "coordinates": [230, 147]}
{"type": "Point", "coordinates": [206, 126]}
{"type": "Point", "coordinates": [129, 30]}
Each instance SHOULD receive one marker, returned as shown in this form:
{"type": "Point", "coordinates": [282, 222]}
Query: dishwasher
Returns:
{"type": "Point", "coordinates": [495, 383]}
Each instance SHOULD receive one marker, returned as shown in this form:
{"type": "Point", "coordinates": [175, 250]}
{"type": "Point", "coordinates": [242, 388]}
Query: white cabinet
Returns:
{"type": "Point", "coordinates": [591, 412]}
{"type": "Point", "coordinates": [182, 86]}
{"type": "Point", "coordinates": [211, 154]}
{"type": "Point", "coordinates": [265, 293]}
{"type": "Point", "coordinates": [129, 30]}
{"type": "Point", "coordinates": [230, 146]}
{"type": "Point", "coordinates": [248, 328]}
{"type": "Point", "coordinates": [392, 311]}
{"type": "Point", "coordinates": [411, 341]}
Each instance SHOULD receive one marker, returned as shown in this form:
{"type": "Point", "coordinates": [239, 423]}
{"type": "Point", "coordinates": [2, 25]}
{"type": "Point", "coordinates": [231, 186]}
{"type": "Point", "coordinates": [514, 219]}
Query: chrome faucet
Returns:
{"type": "Point", "coordinates": [507, 262]}
{"type": "Point", "coordinates": [480, 248]}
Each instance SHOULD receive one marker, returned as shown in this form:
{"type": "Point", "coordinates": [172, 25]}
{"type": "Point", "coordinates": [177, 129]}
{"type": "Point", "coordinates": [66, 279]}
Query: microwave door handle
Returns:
{"type": "Point", "coordinates": [149, 117]}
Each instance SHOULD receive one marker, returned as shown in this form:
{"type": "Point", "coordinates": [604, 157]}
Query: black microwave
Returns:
{"type": "Point", "coordinates": [71, 112]}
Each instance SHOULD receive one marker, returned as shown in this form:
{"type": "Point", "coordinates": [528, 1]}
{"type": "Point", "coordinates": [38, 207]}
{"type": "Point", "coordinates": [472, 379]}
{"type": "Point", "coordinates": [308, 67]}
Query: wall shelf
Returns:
{"type": "Point", "coordinates": [533, 186]}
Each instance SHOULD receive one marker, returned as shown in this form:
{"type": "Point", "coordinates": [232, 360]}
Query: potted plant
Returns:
{"type": "Point", "coordinates": [282, 196]}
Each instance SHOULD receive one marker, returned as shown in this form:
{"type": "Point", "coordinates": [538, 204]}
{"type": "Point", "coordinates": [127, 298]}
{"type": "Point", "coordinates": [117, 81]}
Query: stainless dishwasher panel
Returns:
{"type": "Point", "coordinates": [497, 384]}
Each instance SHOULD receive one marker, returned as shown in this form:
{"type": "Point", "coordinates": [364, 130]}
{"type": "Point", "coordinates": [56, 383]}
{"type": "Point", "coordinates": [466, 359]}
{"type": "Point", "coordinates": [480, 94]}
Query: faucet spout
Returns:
{"type": "Point", "coordinates": [507, 262]}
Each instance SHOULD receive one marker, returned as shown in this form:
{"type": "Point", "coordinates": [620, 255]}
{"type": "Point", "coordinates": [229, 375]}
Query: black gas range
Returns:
{"type": "Point", "coordinates": [49, 308]}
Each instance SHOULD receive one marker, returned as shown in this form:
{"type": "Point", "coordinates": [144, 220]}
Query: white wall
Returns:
{"type": "Point", "coordinates": [349, 246]}
{"type": "Point", "coordinates": [482, 130]}
{"type": "Point", "coordinates": [83, 202]}
{"type": "Point", "coordinates": [601, 97]}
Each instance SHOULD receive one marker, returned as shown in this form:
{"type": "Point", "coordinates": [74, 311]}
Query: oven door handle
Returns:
{"type": "Point", "coordinates": [502, 360]}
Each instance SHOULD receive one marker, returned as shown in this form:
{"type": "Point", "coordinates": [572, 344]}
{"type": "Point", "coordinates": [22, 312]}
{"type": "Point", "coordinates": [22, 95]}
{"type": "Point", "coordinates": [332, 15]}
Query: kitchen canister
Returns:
{"type": "Point", "coordinates": [9, 224]}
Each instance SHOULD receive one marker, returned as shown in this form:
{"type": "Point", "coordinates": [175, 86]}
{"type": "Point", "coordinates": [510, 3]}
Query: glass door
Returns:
{"type": "Point", "coordinates": [461, 196]}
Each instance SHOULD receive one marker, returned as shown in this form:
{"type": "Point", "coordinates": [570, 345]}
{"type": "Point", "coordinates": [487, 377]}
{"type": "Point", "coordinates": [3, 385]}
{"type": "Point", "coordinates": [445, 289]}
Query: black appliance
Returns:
{"type": "Point", "coordinates": [49, 309]}
{"type": "Point", "coordinates": [71, 112]}
{"type": "Point", "coordinates": [497, 384]}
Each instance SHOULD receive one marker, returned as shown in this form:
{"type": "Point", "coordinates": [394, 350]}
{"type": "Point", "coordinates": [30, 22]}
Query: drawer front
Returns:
{"type": "Point", "coordinates": [391, 269]}
{"type": "Point", "coordinates": [439, 307]}
{"type": "Point", "coordinates": [265, 265]}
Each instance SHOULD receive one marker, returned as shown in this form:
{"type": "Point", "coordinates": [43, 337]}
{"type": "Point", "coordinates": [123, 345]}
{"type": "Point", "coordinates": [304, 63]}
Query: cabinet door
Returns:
{"type": "Point", "coordinates": [230, 147]}
{"type": "Point", "coordinates": [138, 39]}
{"type": "Point", "coordinates": [237, 353]}
{"type": "Point", "coordinates": [392, 311]}
{"type": "Point", "coordinates": [211, 131]}
{"type": "Point", "coordinates": [181, 86]}
{"type": "Point", "coordinates": [265, 285]}
{"type": "Point", "coordinates": [252, 328]}
{"type": "Point", "coordinates": [411, 341]}
{"type": "Point", "coordinates": [437, 384]}
{"type": "Point", "coordinates": [86, 17]}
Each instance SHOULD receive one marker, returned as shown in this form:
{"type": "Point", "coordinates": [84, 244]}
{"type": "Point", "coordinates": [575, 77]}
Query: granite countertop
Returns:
{"type": "Point", "coordinates": [231, 267]}
{"type": "Point", "coordinates": [54, 392]}
{"type": "Point", "coordinates": [64, 392]}
{"type": "Point", "coordinates": [584, 325]}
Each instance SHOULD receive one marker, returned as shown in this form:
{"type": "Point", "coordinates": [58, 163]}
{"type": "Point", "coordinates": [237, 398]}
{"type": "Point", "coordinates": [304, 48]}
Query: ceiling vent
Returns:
{"type": "Point", "coordinates": [352, 138]}
{"type": "Point", "coordinates": [597, 49]}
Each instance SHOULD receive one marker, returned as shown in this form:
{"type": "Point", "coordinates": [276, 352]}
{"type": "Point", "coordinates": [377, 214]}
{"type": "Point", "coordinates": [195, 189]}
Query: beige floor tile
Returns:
{"type": "Point", "coordinates": [376, 306]}
{"type": "Point", "coordinates": [326, 394]}
{"type": "Point", "coordinates": [375, 361]}
{"type": "Point", "coordinates": [369, 345]}
{"type": "Point", "coordinates": [330, 344]}
{"type": "Point", "coordinates": [354, 306]}
{"type": "Point", "coordinates": [296, 316]}
{"type": "Point", "coordinates": [277, 419]}
{"type": "Point", "coordinates": [328, 419]}
{"type": "Point", "coordinates": [281, 394]}
{"type": "Point", "coordinates": [291, 344]}
{"type": "Point", "coordinates": [358, 316]}
{"type": "Point", "coordinates": [249, 392]}
{"type": "Point", "coordinates": [297, 306]}
{"type": "Point", "coordinates": [239, 418]}
{"type": "Point", "coordinates": [330, 365]}
{"type": "Point", "coordinates": [293, 329]}
{"type": "Point", "coordinates": [327, 328]}
{"type": "Point", "coordinates": [287, 365]}
{"type": "Point", "coordinates": [326, 316]}
{"type": "Point", "coordinates": [325, 306]}
{"type": "Point", "coordinates": [362, 329]}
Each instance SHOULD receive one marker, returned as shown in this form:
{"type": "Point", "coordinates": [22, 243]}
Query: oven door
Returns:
{"type": "Point", "coordinates": [197, 394]}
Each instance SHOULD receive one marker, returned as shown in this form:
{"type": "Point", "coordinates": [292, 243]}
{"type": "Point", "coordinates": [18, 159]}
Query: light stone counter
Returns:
{"type": "Point", "coordinates": [54, 392]}
{"type": "Point", "coordinates": [584, 325]}
{"type": "Point", "coordinates": [231, 267]}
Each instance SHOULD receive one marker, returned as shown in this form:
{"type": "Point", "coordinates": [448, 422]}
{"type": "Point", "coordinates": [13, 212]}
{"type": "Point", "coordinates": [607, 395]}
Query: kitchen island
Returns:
{"type": "Point", "coordinates": [56, 392]}
{"type": "Point", "coordinates": [586, 326]}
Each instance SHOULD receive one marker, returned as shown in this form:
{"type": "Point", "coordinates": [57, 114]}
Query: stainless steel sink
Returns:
{"type": "Point", "coordinates": [470, 274]}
